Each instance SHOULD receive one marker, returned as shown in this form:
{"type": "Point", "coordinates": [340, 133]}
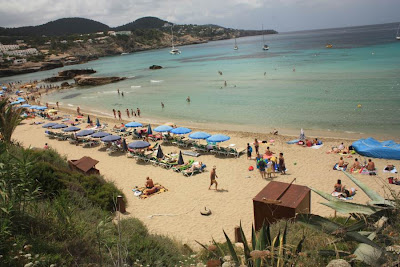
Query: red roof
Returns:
{"type": "Point", "coordinates": [85, 163]}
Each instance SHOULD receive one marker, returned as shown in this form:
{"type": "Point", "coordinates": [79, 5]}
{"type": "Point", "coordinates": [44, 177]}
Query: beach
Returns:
{"type": "Point", "coordinates": [176, 213]}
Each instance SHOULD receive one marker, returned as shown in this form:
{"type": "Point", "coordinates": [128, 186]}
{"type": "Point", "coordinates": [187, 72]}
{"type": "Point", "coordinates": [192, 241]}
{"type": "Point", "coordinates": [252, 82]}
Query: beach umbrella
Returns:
{"type": "Point", "coordinates": [149, 131]}
{"type": "Point", "coordinates": [133, 124]}
{"type": "Point", "coordinates": [100, 134]}
{"type": "Point", "coordinates": [21, 100]}
{"type": "Point", "coordinates": [218, 138]}
{"type": "Point", "coordinates": [163, 128]}
{"type": "Point", "coordinates": [26, 106]}
{"type": "Point", "coordinates": [40, 108]}
{"type": "Point", "coordinates": [124, 145]}
{"type": "Point", "coordinates": [199, 135]}
{"type": "Point", "coordinates": [88, 119]}
{"type": "Point", "coordinates": [71, 129]}
{"type": "Point", "coordinates": [59, 126]}
{"type": "Point", "coordinates": [48, 125]}
{"type": "Point", "coordinates": [111, 138]}
{"type": "Point", "coordinates": [85, 132]}
{"type": "Point", "coordinates": [52, 110]}
{"type": "Point", "coordinates": [15, 103]}
{"type": "Point", "coordinates": [138, 145]}
{"type": "Point", "coordinates": [98, 122]}
{"type": "Point", "coordinates": [180, 160]}
{"type": "Point", "coordinates": [181, 130]}
{"type": "Point", "coordinates": [160, 154]}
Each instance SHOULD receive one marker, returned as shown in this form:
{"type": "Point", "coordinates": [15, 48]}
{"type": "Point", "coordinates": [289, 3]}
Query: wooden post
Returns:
{"type": "Point", "coordinates": [238, 236]}
{"type": "Point", "coordinates": [121, 204]}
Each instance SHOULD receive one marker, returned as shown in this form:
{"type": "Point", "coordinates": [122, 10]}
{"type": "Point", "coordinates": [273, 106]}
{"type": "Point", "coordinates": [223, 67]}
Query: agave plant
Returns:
{"type": "Point", "coordinates": [263, 250]}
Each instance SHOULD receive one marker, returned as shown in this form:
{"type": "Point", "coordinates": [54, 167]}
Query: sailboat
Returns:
{"type": "Point", "coordinates": [265, 46]}
{"type": "Point", "coordinates": [398, 33]}
{"type": "Point", "coordinates": [235, 47]}
{"type": "Point", "coordinates": [174, 51]}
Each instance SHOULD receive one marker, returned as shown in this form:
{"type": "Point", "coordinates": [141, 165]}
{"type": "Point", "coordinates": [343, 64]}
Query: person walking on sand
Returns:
{"type": "Point", "coordinates": [115, 113]}
{"type": "Point", "coordinates": [119, 115]}
{"type": "Point", "coordinates": [282, 167]}
{"type": "Point", "coordinates": [213, 176]}
{"type": "Point", "coordinates": [57, 104]}
{"type": "Point", "coordinates": [78, 110]}
{"type": "Point", "coordinates": [127, 113]}
{"type": "Point", "coordinates": [261, 167]}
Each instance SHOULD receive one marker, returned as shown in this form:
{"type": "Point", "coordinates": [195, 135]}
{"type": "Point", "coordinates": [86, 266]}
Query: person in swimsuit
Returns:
{"type": "Point", "coordinates": [341, 163]}
{"type": "Point", "coordinates": [115, 113]}
{"type": "Point", "coordinates": [370, 165]}
{"type": "Point", "coordinates": [256, 145]}
{"type": "Point", "coordinates": [356, 164]}
{"type": "Point", "coordinates": [338, 187]}
{"type": "Point", "coordinates": [149, 183]}
{"type": "Point", "coordinates": [249, 150]}
{"type": "Point", "coordinates": [213, 175]}
{"type": "Point", "coordinates": [282, 167]}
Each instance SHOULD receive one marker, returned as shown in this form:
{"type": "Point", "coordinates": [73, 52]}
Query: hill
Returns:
{"type": "Point", "coordinates": [143, 23]}
{"type": "Point", "coordinates": [64, 26]}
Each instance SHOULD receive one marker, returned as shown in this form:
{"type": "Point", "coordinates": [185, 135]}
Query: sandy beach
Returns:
{"type": "Point", "coordinates": [176, 213]}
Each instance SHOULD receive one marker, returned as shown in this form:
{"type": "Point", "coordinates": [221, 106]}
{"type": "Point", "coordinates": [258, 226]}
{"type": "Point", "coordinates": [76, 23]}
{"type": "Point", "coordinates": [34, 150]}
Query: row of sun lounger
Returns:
{"type": "Point", "coordinates": [224, 151]}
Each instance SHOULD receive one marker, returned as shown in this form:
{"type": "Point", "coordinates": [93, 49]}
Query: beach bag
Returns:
{"type": "Point", "coordinates": [251, 168]}
{"type": "Point", "coordinates": [250, 149]}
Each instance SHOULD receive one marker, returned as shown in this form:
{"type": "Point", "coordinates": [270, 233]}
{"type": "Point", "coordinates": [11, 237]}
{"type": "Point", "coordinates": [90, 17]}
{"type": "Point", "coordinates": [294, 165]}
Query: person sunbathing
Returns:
{"type": "Point", "coordinates": [370, 165]}
{"type": "Point", "coordinates": [356, 165]}
{"type": "Point", "coordinates": [341, 163]}
{"type": "Point", "coordinates": [152, 190]}
{"type": "Point", "coordinates": [195, 166]}
{"type": "Point", "coordinates": [341, 147]}
{"type": "Point", "coordinates": [338, 187]}
{"type": "Point", "coordinates": [149, 183]}
{"type": "Point", "coordinates": [309, 143]}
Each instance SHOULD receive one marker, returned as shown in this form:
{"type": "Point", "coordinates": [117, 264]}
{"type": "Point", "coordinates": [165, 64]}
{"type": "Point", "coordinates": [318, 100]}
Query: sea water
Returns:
{"type": "Point", "coordinates": [298, 83]}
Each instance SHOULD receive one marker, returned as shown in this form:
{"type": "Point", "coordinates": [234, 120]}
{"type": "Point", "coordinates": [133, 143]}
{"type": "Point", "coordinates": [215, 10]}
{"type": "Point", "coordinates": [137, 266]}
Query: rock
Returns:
{"type": "Point", "coordinates": [87, 80]}
{"type": "Point", "coordinates": [65, 85]}
{"type": "Point", "coordinates": [73, 73]}
{"type": "Point", "coordinates": [338, 263]}
{"type": "Point", "coordinates": [155, 67]}
{"type": "Point", "coordinates": [227, 258]}
{"type": "Point", "coordinates": [213, 263]}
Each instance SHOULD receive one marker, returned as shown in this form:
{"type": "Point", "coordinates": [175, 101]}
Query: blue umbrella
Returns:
{"type": "Point", "coordinates": [98, 122]}
{"type": "Point", "coordinates": [59, 126]}
{"type": "Point", "coordinates": [163, 128]}
{"type": "Point", "coordinates": [133, 124]}
{"type": "Point", "coordinates": [41, 108]}
{"type": "Point", "coordinates": [181, 130]}
{"type": "Point", "coordinates": [85, 132]}
{"type": "Point", "coordinates": [199, 135]}
{"type": "Point", "coordinates": [218, 138]}
{"type": "Point", "coordinates": [15, 103]}
{"type": "Point", "coordinates": [25, 106]}
{"type": "Point", "coordinates": [21, 100]}
{"type": "Point", "coordinates": [149, 131]}
{"type": "Point", "coordinates": [138, 145]}
{"type": "Point", "coordinates": [110, 138]}
{"type": "Point", "coordinates": [71, 129]}
{"type": "Point", "coordinates": [33, 107]}
{"type": "Point", "coordinates": [100, 134]}
{"type": "Point", "coordinates": [50, 124]}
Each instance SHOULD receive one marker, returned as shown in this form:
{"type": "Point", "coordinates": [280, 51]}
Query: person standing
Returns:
{"type": "Point", "coordinates": [78, 110]}
{"type": "Point", "coordinates": [162, 105]}
{"type": "Point", "coordinates": [282, 167]}
{"type": "Point", "coordinates": [119, 115]}
{"type": "Point", "coordinates": [57, 105]}
{"type": "Point", "coordinates": [127, 113]}
{"type": "Point", "coordinates": [256, 145]}
{"type": "Point", "coordinates": [188, 99]}
{"type": "Point", "coordinates": [213, 176]}
{"type": "Point", "coordinates": [249, 150]}
{"type": "Point", "coordinates": [118, 91]}
{"type": "Point", "coordinates": [115, 113]}
{"type": "Point", "coordinates": [122, 93]}
{"type": "Point", "coordinates": [269, 168]}
{"type": "Point", "coordinates": [138, 112]}
{"type": "Point", "coordinates": [131, 112]}
{"type": "Point", "coordinates": [261, 167]}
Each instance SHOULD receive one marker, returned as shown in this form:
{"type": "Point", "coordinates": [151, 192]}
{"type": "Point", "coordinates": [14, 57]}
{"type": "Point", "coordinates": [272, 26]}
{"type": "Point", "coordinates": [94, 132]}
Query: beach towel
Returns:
{"type": "Point", "coordinates": [138, 192]}
{"type": "Point", "coordinates": [392, 171]}
{"type": "Point", "coordinates": [336, 168]}
{"type": "Point", "coordinates": [291, 142]}
{"type": "Point", "coordinates": [340, 196]}
{"type": "Point", "coordinates": [317, 146]}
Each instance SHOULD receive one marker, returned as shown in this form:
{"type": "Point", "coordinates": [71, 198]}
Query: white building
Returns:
{"type": "Point", "coordinates": [19, 41]}
{"type": "Point", "coordinates": [64, 41]}
{"type": "Point", "coordinates": [19, 61]}
{"type": "Point", "coordinates": [22, 53]}
{"type": "Point", "coordinates": [78, 41]}
{"type": "Point", "coordinates": [8, 47]}
{"type": "Point", "coordinates": [123, 33]}
{"type": "Point", "coordinates": [112, 33]}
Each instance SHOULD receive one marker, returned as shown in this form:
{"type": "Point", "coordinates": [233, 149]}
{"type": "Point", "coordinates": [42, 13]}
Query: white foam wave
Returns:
{"type": "Point", "coordinates": [70, 105]}
{"type": "Point", "coordinates": [130, 77]}
{"type": "Point", "coordinates": [156, 81]}
{"type": "Point", "coordinates": [136, 86]}
{"type": "Point", "coordinates": [107, 92]}
{"type": "Point", "coordinates": [89, 96]}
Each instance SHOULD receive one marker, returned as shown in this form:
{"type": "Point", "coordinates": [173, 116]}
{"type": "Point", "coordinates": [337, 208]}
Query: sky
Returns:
{"type": "Point", "coordinates": [281, 15]}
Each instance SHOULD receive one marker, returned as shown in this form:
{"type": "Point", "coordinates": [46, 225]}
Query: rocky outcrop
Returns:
{"type": "Point", "coordinates": [155, 67]}
{"type": "Point", "coordinates": [29, 68]}
{"type": "Point", "coordinates": [88, 80]}
{"type": "Point", "coordinates": [68, 74]}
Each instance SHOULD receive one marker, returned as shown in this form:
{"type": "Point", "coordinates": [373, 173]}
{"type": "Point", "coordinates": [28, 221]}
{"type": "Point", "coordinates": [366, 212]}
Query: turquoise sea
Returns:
{"type": "Point", "coordinates": [322, 94]}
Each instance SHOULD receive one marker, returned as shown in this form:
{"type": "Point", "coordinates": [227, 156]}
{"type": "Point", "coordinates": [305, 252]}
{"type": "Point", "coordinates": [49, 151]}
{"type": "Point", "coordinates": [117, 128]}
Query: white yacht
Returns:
{"type": "Point", "coordinates": [265, 46]}
{"type": "Point", "coordinates": [174, 51]}
{"type": "Point", "coordinates": [235, 47]}
{"type": "Point", "coordinates": [398, 33]}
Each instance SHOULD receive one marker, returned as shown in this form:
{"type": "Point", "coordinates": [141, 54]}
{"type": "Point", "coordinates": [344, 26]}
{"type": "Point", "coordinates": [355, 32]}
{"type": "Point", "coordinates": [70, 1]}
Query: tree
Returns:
{"type": "Point", "coordinates": [9, 119]}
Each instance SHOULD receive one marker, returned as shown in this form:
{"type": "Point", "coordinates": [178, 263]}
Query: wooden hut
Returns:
{"type": "Point", "coordinates": [280, 201]}
{"type": "Point", "coordinates": [85, 165]}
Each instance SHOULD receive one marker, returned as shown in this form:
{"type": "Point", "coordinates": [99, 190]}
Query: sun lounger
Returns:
{"type": "Point", "coordinates": [191, 153]}
{"type": "Point", "coordinates": [189, 173]}
{"type": "Point", "coordinates": [183, 167]}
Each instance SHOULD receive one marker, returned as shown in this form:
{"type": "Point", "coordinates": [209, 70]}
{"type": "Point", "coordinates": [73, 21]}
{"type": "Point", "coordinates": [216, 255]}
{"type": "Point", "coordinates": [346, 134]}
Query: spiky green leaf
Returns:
{"type": "Point", "coordinates": [231, 249]}
{"type": "Point", "coordinates": [348, 207]}
{"type": "Point", "coordinates": [245, 244]}
{"type": "Point", "coordinates": [253, 237]}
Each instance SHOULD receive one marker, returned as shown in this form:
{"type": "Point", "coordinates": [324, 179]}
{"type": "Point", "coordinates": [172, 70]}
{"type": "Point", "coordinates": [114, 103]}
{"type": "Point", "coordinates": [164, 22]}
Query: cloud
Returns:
{"type": "Point", "coordinates": [278, 14]}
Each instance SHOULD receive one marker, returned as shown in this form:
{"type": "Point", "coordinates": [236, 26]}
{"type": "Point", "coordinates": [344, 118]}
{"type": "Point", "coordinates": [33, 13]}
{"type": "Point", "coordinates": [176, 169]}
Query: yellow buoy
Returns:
{"type": "Point", "coordinates": [359, 105]}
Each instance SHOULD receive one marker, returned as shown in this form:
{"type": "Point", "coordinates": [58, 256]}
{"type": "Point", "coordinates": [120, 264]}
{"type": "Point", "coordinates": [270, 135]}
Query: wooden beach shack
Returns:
{"type": "Point", "coordinates": [280, 200]}
{"type": "Point", "coordinates": [85, 165]}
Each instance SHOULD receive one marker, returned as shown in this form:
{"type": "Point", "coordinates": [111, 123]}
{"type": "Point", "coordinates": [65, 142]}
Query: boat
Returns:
{"type": "Point", "coordinates": [122, 54]}
{"type": "Point", "coordinates": [174, 51]}
{"type": "Point", "coordinates": [398, 33]}
{"type": "Point", "coordinates": [265, 46]}
{"type": "Point", "coordinates": [235, 47]}
{"type": "Point", "coordinates": [329, 46]}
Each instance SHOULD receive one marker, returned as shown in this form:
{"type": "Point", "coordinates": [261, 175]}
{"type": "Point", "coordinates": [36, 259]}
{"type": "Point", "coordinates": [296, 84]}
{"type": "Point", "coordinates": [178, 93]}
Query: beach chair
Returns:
{"type": "Point", "coordinates": [183, 167]}
{"type": "Point", "coordinates": [189, 173]}
{"type": "Point", "coordinates": [223, 151]}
